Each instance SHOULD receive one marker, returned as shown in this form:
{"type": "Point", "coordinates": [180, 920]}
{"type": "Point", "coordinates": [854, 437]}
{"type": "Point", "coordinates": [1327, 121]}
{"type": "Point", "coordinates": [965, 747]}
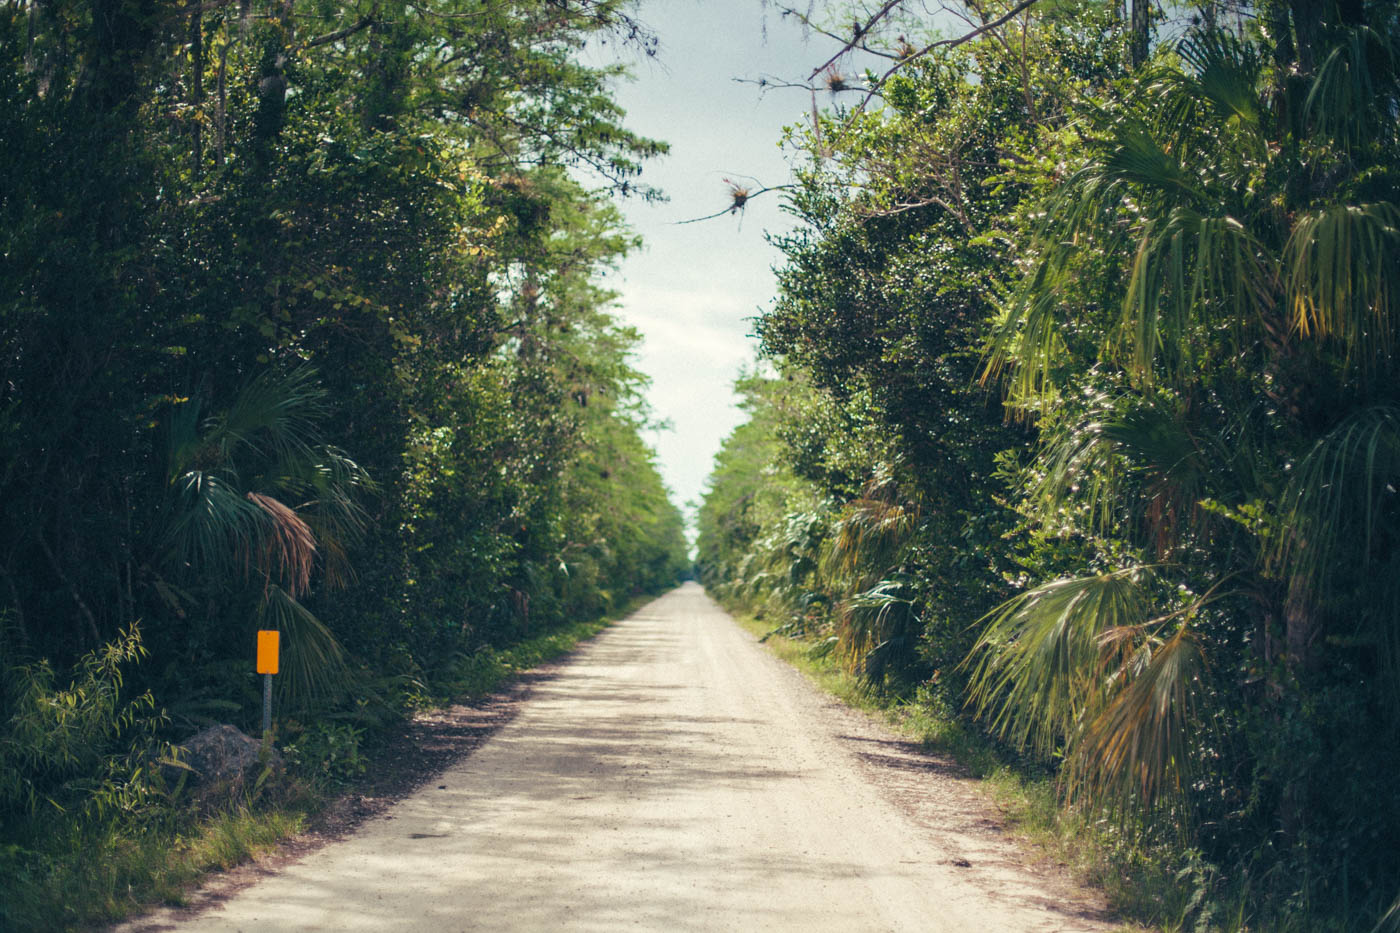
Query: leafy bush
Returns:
{"type": "Point", "coordinates": [83, 747]}
{"type": "Point", "coordinates": [328, 753]}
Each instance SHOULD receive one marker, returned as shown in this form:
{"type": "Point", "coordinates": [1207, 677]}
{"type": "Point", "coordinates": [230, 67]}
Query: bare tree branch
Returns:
{"type": "Point", "coordinates": [739, 199]}
{"type": "Point", "coordinates": [365, 22]}
{"type": "Point", "coordinates": [768, 82]}
{"type": "Point", "coordinates": [907, 54]}
{"type": "Point", "coordinates": [948, 43]}
{"type": "Point", "coordinates": [858, 33]}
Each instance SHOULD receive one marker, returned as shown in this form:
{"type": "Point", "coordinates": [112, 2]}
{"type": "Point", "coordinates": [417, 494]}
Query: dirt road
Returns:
{"type": "Point", "coordinates": [674, 776]}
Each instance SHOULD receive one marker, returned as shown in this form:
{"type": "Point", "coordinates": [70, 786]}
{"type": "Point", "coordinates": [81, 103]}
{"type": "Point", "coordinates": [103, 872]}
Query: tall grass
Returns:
{"type": "Point", "coordinates": [71, 873]}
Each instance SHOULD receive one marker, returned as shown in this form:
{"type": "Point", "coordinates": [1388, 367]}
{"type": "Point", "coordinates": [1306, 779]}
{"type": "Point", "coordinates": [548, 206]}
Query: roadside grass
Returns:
{"type": "Point", "coordinates": [487, 670]}
{"type": "Point", "coordinates": [102, 871]}
{"type": "Point", "coordinates": [1141, 881]}
{"type": "Point", "coordinates": [68, 872]}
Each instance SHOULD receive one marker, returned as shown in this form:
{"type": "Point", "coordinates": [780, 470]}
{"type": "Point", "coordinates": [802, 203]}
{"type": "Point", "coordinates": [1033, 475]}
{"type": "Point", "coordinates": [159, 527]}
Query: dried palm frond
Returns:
{"type": "Point", "coordinates": [1136, 748]}
{"type": "Point", "coordinates": [871, 532]}
{"type": "Point", "coordinates": [287, 549]}
{"type": "Point", "coordinates": [1037, 672]}
{"type": "Point", "coordinates": [1077, 667]}
{"type": "Point", "coordinates": [879, 629]}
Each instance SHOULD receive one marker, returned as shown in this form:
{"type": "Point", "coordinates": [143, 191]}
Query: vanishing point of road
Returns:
{"type": "Point", "coordinates": [674, 776]}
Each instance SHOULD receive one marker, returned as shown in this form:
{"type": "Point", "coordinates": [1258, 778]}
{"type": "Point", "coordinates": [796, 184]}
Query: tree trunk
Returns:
{"type": "Point", "coordinates": [221, 108]}
{"type": "Point", "coordinates": [1307, 31]}
{"type": "Point", "coordinates": [1138, 30]}
{"type": "Point", "coordinates": [1300, 633]}
{"type": "Point", "coordinates": [1300, 630]}
{"type": "Point", "coordinates": [120, 34]}
{"type": "Point", "coordinates": [197, 86]}
{"type": "Point", "coordinates": [272, 83]}
{"type": "Point", "coordinates": [1276, 19]}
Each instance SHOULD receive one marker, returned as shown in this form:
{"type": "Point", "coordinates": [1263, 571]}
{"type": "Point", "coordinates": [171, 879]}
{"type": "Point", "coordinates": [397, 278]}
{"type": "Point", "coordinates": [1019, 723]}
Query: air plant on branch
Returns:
{"type": "Point", "coordinates": [738, 195]}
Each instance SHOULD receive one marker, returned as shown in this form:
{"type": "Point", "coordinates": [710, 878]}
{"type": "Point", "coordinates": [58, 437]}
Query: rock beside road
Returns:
{"type": "Point", "coordinates": [222, 759]}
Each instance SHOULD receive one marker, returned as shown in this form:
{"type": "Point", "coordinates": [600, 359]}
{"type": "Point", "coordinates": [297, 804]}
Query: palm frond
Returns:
{"type": "Point", "coordinates": [1085, 212]}
{"type": "Point", "coordinates": [319, 470]}
{"type": "Point", "coordinates": [1338, 495]}
{"type": "Point", "coordinates": [1138, 157]}
{"type": "Point", "coordinates": [1190, 271]}
{"type": "Point", "coordinates": [253, 488]}
{"type": "Point", "coordinates": [287, 549]}
{"type": "Point", "coordinates": [1132, 458]}
{"type": "Point", "coordinates": [1027, 340]}
{"type": "Point", "coordinates": [1342, 103]}
{"type": "Point", "coordinates": [313, 661]}
{"type": "Point", "coordinates": [878, 628]}
{"type": "Point", "coordinates": [275, 415]}
{"type": "Point", "coordinates": [1077, 666]}
{"type": "Point", "coordinates": [211, 528]}
{"type": "Point", "coordinates": [1344, 275]}
{"type": "Point", "coordinates": [337, 573]}
{"type": "Point", "coordinates": [1079, 462]}
{"type": "Point", "coordinates": [334, 486]}
{"type": "Point", "coordinates": [1136, 750]}
{"type": "Point", "coordinates": [1193, 267]}
{"type": "Point", "coordinates": [1227, 72]}
{"type": "Point", "coordinates": [870, 532]}
{"type": "Point", "coordinates": [1036, 670]}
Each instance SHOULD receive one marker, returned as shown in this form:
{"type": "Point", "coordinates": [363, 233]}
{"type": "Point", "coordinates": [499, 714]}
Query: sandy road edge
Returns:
{"type": "Point", "coordinates": [936, 790]}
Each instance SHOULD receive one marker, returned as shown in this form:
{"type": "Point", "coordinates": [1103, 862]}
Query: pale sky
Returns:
{"type": "Point", "coordinates": [693, 288]}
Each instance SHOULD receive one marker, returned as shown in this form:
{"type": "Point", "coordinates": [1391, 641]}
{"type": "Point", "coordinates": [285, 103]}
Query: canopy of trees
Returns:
{"type": "Point", "coordinates": [300, 328]}
{"type": "Point", "coordinates": [1083, 418]}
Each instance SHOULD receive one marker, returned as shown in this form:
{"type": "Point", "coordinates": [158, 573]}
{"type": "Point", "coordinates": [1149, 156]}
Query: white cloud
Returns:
{"type": "Point", "coordinates": [693, 289]}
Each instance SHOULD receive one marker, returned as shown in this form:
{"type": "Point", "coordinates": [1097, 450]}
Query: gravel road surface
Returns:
{"type": "Point", "coordinates": [674, 776]}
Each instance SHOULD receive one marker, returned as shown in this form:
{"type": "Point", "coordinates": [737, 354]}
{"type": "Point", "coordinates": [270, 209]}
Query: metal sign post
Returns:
{"type": "Point", "coordinates": [268, 645]}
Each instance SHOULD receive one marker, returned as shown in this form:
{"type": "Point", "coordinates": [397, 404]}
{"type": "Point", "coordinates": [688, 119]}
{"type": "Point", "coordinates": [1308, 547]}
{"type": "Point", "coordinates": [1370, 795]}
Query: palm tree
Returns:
{"type": "Point", "coordinates": [1240, 391]}
{"type": "Point", "coordinates": [878, 617]}
{"type": "Point", "coordinates": [256, 503]}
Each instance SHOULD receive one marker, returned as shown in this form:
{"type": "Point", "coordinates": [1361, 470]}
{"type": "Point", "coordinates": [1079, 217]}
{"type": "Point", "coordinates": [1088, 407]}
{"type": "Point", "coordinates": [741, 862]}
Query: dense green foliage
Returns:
{"type": "Point", "coordinates": [300, 329]}
{"type": "Point", "coordinates": [1083, 420]}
